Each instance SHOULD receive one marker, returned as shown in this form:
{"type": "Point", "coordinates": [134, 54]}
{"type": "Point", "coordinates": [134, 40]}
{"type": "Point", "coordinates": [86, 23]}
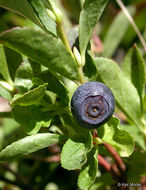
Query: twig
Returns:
{"type": "Point", "coordinates": [132, 23]}
{"type": "Point", "coordinates": [116, 157]}
{"type": "Point", "coordinates": [104, 163]}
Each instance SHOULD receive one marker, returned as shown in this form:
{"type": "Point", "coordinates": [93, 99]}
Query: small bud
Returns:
{"type": "Point", "coordinates": [51, 14]}
{"type": "Point", "coordinates": [77, 56]}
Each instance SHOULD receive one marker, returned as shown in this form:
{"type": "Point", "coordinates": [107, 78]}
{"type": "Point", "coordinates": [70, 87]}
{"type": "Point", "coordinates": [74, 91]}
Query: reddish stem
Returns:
{"type": "Point", "coordinates": [116, 156]}
{"type": "Point", "coordinates": [104, 163]}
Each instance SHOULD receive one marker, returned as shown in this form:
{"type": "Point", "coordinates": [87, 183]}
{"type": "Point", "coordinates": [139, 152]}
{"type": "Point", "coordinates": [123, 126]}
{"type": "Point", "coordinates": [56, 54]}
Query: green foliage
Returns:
{"type": "Point", "coordinates": [134, 69]}
{"type": "Point", "coordinates": [28, 145]}
{"type": "Point", "coordinates": [126, 95]}
{"type": "Point", "coordinates": [74, 152]}
{"type": "Point", "coordinates": [110, 42]}
{"type": "Point", "coordinates": [88, 172]}
{"type": "Point", "coordinates": [51, 53]}
{"type": "Point", "coordinates": [89, 16]}
{"type": "Point", "coordinates": [41, 67]}
{"type": "Point", "coordinates": [121, 140]}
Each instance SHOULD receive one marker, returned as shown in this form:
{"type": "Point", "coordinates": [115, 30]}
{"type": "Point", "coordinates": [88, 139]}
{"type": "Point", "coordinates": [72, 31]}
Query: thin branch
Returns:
{"type": "Point", "coordinates": [104, 163]}
{"type": "Point", "coordinates": [116, 156]}
{"type": "Point", "coordinates": [122, 6]}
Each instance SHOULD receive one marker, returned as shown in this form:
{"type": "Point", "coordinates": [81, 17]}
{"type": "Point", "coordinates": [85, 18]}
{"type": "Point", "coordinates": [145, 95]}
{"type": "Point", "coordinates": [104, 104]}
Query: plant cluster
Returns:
{"type": "Point", "coordinates": [62, 89]}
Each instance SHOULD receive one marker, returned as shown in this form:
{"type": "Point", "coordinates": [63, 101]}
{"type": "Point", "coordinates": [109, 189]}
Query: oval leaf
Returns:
{"type": "Point", "coordinates": [31, 97]}
{"type": "Point", "coordinates": [29, 144]}
{"type": "Point", "coordinates": [42, 48]}
{"type": "Point", "coordinates": [121, 140]}
{"type": "Point", "coordinates": [134, 69]}
{"type": "Point", "coordinates": [89, 16]}
{"type": "Point", "coordinates": [88, 172]}
{"type": "Point", "coordinates": [74, 152]}
{"type": "Point", "coordinates": [125, 93]}
{"type": "Point", "coordinates": [111, 42]}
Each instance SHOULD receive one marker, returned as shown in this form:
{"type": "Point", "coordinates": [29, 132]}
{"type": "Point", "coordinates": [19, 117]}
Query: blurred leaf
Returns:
{"type": "Point", "coordinates": [134, 69]}
{"type": "Point", "coordinates": [31, 97]}
{"type": "Point", "coordinates": [73, 155]}
{"type": "Point", "coordinates": [136, 166]}
{"type": "Point", "coordinates": [73, 8]}
{"type": "Point", "coordinates": [31, 117]}
{"type": "Point", "coordinates": [145, 102]}
{"type": "Point", "coordinates": [121, 140]}
{"type": "Point", "coordinates": [51, 53]}
{"type": "Point", "coordinates": [102, 182]}
{"type": "Point", "coordinates": [90, 69]}
{"type": "Point", "coordinates": [115, 34]}
{"type": "Point", "coordinates": [1, 137]}
{"type": "Point", "coordinates": [125, 93]}
{"type": "Point", "coordinates": [29, 144]}
{"type": "Point", "coordinates": [3, 66]}
{"type": "Point", "coordinates": [9, 126]}
{"type": "Point", "coordinates": [14, 59]}
{"type": "Point", "coordinates": [20, 7]}
{"type": "Point", "coordinates": [88, 172]}
{"type": "Point", "coordinates": [56, 86]}
{"type": "Point", "coordinates": [42, 14]}
{"type": "Point", "coordinates": [4, 93]}
{"type": "Point", "coordinates": [135, 133]}
{"type": "Point", "coordinates": [139, 19]}
{"type": "Point", "coordinates": [23, 79]}
{"type": "Point", "coordinates": [89, 16]}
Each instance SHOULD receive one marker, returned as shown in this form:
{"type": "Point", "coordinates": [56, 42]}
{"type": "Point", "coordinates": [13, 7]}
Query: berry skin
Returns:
{"type": "Point", "coordinates": [92, 104]}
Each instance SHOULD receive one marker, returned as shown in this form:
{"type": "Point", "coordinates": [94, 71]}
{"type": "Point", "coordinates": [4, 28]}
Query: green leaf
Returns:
{"type": "Point", "coordinates": [71, 128]}
{"type": "Point", "coordinates": [31, 97]}
{"type": "Point", "coordinates": [105, 180]}
{"type": "Point", "coordinates": [135, 133]}
{"type": "Point", "coordinates": [121, 140]}
{"type": "Point", "coordinates": [56, 86]}
{"type": "Point", "coordinates": [3, 66]}
{"type": "Point", "coordinates": [115, 34]}
{"type": "Point", "coordinates": [134, 69]}
{"type": "Point", "coordinates": [144, 102]}
{"type": "Point", "coordinates": [42, 14]}
{"type": "Point", "coordinates": [29, 144]}
{"type": "Point", "coordinates": [23, 79]}
{"type": "Point", "coordinates": [31, 117]}
{"type": "Point", "coordinates": [89, 16]}
{"type": "Point", "coordinates": [4, 93]}
{"type": "Point", "coordinates": [14, 59]}
{"type": "Point", "coordinates": [90, 69]}
{"type": "Point", "coordinates": [126, 95]}
{"type": "Point", "coordinates": [42, 48]}
{"type": "Point", "coordinates": [73, 155]}
{"type": "Point", "coordinates": [9, 126]}
{"type": "Point", "coordinates": [20, 7]}
{"type": "Point", "coordinates": [136, 166]}
{"type": "Point", "coordinates": [1, 137]}
{"type": "Point", "coordinates": [88, 172]}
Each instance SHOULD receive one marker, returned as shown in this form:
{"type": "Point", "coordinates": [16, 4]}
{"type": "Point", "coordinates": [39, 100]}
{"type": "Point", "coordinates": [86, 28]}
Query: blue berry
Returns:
{"type": "Point", "coordinates": [92, 104]}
